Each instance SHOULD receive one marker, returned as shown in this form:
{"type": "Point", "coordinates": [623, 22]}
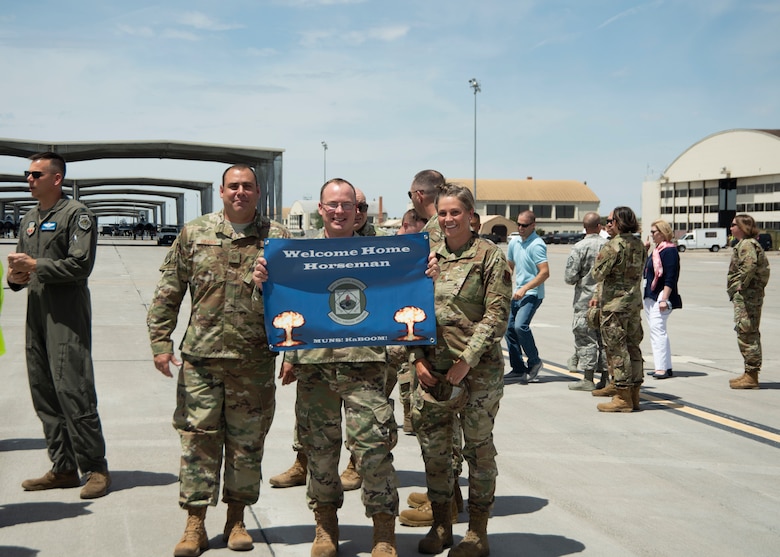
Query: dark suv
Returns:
{"type": "Point", "coordinates": [765, 240]}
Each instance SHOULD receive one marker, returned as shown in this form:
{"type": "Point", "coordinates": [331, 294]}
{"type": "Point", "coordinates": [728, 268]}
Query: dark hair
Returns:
{"type": "Point", "coordinates": [413, 216]}
{"type": "Point", "coordinates": [240, 166]}
{"type": "Point", "coordinates": [428, 181]}
{"type": "Point", "coordinates": [461, 193]}
{"type": "Point", "coordinates": [337, 181]}
{"type": "Point", "coordinates": [56, 161]}
{"type": "Point", "coordinates": [747, 225]}
{"type": "Point", "coordinates": [625, 219]}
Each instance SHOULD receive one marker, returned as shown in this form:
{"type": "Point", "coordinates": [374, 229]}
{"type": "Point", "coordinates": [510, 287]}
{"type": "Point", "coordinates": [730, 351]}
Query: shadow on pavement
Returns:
{"type": "Point", "coordinates": [14, 551]}
{"type": "Point", "coordinates": [22, 444]}
{"type": "Point", "coordinates": [26, 513]}
{"type": "Point", "coordinates": [128, 479]}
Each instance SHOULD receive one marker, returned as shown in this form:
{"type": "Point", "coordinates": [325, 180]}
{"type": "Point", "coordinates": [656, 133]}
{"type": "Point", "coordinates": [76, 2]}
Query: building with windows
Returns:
{"type": "Point", "coordinates": [559, 205]}
{"type": "Point", "coordinates": [730, 172]}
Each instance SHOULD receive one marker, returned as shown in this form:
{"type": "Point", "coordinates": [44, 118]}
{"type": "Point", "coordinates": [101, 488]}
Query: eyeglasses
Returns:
{"type": "Point", "coordinates": [35, 174]}
{"type": "Point", "coordinates": [332, 207]}
{"type": "Point", "coordinates": [362, 207]}
{"type": "Point", "coordinates": [733, 224]}
{"type": "Point", "coordinates": [653, 232]}
{"type": "Point", "coordinates": [409, 193]}
{"type": "Point", "coordinates": [610, 221]}
{"type": "Point", "coordinates": [523, 225]}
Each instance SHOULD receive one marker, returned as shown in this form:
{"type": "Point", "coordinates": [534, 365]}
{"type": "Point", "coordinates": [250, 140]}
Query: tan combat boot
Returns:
{"type": "Point", "coordinates": [417, 499]}
{"type": "Point", "coordinates": [609, 390]}
{"type": "Point", "coordinates": [53, 480]}
{"type": "Point", "coordinates": [195, 539]}
{"type": "Point", "coordinates": [296, 475]}
{"type": "Point", "coordinates": [747, 381]}
{"type": "Point", "coordinates": [737, 379]}
{"type": "Point", "coordinates": [621, 402]}
{"type": "Point", "coordinates": [384, 536]}
{"type": "Point", "coordinates": [440, 534]}
{"type": "Point", "coordinates": [235, 534]}
{"type": "Point", "coordinates": [326, 537]}
{"type": "Point", "coordinates": [424, 516]}
{"type": "Point", "coordinates": [97, 485]}
{"type": "Point", "coordinates": [475, 543]}
{"type": "Point", "coordinates": [350, 479]}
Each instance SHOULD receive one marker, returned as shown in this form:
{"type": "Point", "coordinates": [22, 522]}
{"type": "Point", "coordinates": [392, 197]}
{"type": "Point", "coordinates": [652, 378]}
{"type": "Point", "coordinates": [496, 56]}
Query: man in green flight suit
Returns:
{"type": "Point", "coordinates": [53, 260]}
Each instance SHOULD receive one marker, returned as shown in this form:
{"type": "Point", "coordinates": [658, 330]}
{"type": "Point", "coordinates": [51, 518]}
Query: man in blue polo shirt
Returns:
{"type": "Point", "coordinates": [527, 257]}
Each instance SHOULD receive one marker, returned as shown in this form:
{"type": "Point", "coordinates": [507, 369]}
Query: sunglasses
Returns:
{"type": "Point", "coordinates": [362, 207]}
{"type": "Point", "coordinates": [409, 193]}
{"type": "Point", "coordinates": [521, 225]}
{"type": "Point", "coordinates": [35, 174]}
{"type": "Point", "coordinates": [610, 221]}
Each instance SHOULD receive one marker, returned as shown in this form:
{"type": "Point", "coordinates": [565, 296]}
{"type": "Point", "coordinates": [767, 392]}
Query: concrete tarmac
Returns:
{"type": "Point", "coordinates": [696, 472]}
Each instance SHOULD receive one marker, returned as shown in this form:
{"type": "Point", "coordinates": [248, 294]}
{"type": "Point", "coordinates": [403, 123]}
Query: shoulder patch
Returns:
{"type": "Point", "coordinates": [84, 222]}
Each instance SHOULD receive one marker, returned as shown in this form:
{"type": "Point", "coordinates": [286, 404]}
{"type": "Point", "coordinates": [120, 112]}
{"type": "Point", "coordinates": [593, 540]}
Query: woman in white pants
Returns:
{"type": "Point", "coordinates": [662, 271]}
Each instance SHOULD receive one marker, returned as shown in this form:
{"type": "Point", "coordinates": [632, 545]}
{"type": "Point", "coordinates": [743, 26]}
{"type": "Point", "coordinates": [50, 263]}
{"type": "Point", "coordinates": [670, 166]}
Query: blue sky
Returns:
{"type": "Point", "coordinates": [604, 91]}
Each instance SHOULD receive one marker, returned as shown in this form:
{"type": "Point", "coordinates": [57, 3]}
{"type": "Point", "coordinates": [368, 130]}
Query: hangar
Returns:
{"type": "Point", "coordinates": [145, 191]}
{"type": "Point", "coordinates": [729, 172]}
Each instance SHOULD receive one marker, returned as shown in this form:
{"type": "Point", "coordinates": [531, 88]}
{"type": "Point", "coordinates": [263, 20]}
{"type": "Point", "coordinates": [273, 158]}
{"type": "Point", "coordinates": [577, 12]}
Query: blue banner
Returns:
{"type": "Point", "coordinates": [358, 291]}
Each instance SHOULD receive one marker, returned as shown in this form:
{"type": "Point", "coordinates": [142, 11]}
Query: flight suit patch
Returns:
{"type": "Point", "coordinates": [31, 228]}
{"type": "Point", "coordinates": [48, 226]}
{"type": "Point", "coordinates": [85, 223]}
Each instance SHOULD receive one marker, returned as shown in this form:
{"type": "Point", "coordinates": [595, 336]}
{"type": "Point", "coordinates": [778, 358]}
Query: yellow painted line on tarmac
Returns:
{"type": "Point", "coordinates": [701, 414]}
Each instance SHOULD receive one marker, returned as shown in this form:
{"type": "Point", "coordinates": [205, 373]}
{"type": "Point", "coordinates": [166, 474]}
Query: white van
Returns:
{"type": "Point", "coordinates": [703, 238]}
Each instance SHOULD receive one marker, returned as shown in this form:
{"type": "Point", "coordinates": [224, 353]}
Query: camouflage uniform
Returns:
{"type": "Point", "coordinates": [369, 229]}
{"type": "Point", "coordinates": [225, 393]}
{"type": "Point", "coordinates": [355, 376]}
{"type": "Point", "coordinates": [58, 333]}
{"type": "Point", "coordinates": [472, 297]}
{"type": "Point", "coordinates": [748, 276]}
{"type": "Point", "coordinates": [436, 240]}
{"type": "Point", "coordinates": [587, 341]}
{"type": "Point", "coordinates": [618, 268]}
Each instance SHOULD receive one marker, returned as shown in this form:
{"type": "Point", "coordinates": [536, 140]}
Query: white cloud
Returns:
{"type": "Point", "coordinates": [203, 22]}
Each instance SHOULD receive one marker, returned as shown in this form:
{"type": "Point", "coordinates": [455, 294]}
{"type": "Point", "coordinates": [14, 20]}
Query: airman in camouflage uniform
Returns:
{"type": "Point", "coordinates": [226, 392]}
{"type": "Point", "coordinates": [356, 378]}
{"type": "Point", "coordinates": [589, 351]}
{"type": "Point", "coordinates": [619, 267]}
{"type": "Point", "coordinates": [472, 299]}
{"type": "Point", "coordinates": [747, 277]}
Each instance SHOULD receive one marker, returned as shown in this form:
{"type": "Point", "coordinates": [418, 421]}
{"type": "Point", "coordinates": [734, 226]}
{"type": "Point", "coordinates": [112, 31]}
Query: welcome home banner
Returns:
{"type": "Point", "coordinates": [358, 291]}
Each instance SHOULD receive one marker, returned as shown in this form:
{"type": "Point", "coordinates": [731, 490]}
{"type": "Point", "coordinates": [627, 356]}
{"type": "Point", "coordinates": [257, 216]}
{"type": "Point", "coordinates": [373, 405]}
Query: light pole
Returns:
{"type": "Point", "coordinates": [474, 84]}
{"type": "Point", "coordinates": [324, 162]}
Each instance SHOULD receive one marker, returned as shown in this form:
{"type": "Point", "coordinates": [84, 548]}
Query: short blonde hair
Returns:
{"type": "Point", "coordinates": [664, 228]}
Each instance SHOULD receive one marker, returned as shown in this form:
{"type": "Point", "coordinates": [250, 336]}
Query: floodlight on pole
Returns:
{"type": "Point", "coordinates": [474, 84]}
{"type": "Point", "coordinates": [324, 162]}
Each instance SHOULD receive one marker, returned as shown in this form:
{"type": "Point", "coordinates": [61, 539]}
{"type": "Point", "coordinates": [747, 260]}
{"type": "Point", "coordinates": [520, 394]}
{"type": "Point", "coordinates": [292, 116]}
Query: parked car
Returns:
{"type": "Point", "coordinates": [765, 240]}
{"type": "Point", "coordinates": [495, 238]}
{"type": "Point", "coordinates": [167, 235]}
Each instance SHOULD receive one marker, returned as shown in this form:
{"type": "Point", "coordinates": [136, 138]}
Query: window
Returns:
{"type": "Point", "coordinates": [697, 192]}
{"type": "Point", "coordinates": [515, 210]}
{"type": "Point", "coordinates": [564, 211]}
{"type": "Point", "coordinates": [711, 192]}
{"type": "Point", "coordinates": [681, 193]}
{"type": "Point", "coordinates": [496, 210]}
{"type": "Point", "coordinates": [543, 211]}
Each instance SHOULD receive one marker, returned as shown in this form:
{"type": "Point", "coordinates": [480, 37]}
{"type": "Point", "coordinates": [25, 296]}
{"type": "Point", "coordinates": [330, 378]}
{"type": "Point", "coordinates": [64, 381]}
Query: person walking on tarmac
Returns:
{"type": "Point", "coordinates": [53, 260]}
